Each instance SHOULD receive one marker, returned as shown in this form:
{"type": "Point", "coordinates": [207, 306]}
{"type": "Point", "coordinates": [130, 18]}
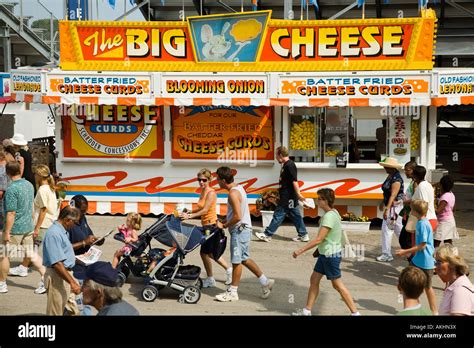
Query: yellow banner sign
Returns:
{"type": "Point", "coordinates": [249, 41]}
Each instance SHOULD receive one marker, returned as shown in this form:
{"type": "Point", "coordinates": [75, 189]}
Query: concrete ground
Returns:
{"type": "Point", "coordinates": [371, 283]}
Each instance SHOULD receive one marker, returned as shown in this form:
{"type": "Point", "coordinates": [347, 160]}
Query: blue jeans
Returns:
{"type": "Point", "coordinates": [279, 216]}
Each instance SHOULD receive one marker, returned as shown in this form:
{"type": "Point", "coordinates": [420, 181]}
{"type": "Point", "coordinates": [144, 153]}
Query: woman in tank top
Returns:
{"type": "Point", "coordinates": [206, 210]}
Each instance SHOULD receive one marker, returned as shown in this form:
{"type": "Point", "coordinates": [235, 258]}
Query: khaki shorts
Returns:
{"type": "Point", "coordinates": [39, 241]}
{"type": "Point", "coordinates": [20, 245]}
{"type": "Point", "coordinates": [60, 299]}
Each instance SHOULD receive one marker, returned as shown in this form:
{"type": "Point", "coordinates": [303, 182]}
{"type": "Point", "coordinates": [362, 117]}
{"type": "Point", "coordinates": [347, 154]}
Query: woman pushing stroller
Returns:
{"type": "Point", "coordinates": [206, 210]}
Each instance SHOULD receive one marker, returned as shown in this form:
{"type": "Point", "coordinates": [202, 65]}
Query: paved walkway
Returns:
{"type": "Point", "coordinates": [372, 284]}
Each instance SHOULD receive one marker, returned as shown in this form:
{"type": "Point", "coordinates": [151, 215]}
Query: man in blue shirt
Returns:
{"type": "Point", "coordinates": [59, 258]}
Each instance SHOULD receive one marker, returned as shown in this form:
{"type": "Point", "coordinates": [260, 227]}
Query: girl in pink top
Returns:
{"type": "Point", "coordinates": [446, 230]}
{"type": "Point", "coordinates": [130, 234]}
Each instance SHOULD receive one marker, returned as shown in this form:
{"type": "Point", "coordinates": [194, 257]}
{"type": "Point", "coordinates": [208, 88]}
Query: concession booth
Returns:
{"type": "Point", "coordinates": [141, 107]}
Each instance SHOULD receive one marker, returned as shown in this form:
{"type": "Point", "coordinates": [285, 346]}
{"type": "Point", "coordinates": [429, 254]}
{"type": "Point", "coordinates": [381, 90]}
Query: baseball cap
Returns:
{"type": "Point", "coordinates": [102, 273]}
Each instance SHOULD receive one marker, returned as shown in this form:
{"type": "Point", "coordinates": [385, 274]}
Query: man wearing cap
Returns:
{"type": "Point", "coordinates": [100, 290]}
{"type": "Point", "coordinates": [391, 206]}
{"type": "Point", "coordinates": [58, 257]}
{"type": "Point", "coordinates": [19, 142]}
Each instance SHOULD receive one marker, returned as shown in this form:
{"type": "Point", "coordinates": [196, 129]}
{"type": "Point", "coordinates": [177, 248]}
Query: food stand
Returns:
{"type": "Point", "coordinates": [142, 107]}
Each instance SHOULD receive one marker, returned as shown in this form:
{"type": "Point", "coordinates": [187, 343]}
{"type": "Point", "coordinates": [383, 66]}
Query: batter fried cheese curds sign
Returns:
{"type": "Point", "coordinates": [110, 131]}
{"type": "Point", "coordinates": [250, 41]}
{"type": "Point", "coordinates": [213, 132]}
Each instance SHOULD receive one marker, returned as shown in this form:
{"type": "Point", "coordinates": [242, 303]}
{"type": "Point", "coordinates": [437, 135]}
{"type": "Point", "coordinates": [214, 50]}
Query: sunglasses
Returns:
{"type": "Point", "coordinates": [438, 263]}
{"type": "Point", "coordinates": [202, 180]}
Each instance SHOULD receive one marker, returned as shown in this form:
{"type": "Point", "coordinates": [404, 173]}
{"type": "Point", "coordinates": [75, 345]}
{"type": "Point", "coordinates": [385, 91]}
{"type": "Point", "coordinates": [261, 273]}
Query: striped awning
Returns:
{"type": "Point", "coordinates": [295, 102]}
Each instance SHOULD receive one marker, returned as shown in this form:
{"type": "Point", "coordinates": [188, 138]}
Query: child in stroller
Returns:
{"type": "Point", "coordinates": [141, 255]}
{"type": "Point", "coordinates": [130, 235]}
{"type": "Point", "coordinates": [170, 270]}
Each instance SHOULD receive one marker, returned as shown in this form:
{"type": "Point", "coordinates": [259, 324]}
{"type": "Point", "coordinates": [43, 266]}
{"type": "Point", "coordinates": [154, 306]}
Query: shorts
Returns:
{"type": "Point", "coordinates": [20, 246]}
{"type": "Point", "coordinates": [329, 265]}
{"type": "Point", "coordinates": [39, 240]}
{"type": "Point", "coordinates": [206, 248]}
{"type": "Point", "coordinates": [429, 275]}
{"type": "Point", "coordinates": [239, 245]}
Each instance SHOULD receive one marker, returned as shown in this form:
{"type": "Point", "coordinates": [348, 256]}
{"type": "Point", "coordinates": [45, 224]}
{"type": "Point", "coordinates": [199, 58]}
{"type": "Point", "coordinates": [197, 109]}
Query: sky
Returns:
{"type": "Point", "coordinates": [32, 8]}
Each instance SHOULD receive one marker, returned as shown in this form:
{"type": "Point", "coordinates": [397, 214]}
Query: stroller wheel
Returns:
{"type": "Point", "coordinates": [149, 293]}
{"type": "Point", "coordinates": [191, 294]}
{"type": "Point", "coordinates": [199, 283]}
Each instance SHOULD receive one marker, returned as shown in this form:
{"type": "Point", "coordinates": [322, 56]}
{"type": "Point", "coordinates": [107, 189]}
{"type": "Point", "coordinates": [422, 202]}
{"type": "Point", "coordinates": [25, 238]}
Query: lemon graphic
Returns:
{"type": "Point", "coordinates": [246, 30]}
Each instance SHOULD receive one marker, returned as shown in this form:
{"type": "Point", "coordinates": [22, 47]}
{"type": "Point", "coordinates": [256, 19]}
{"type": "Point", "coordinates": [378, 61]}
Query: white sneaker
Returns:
{"type": "Point", "coordinates": [3, 287]}
{"type": "Point", "coordinates": [19, 271]}
{"type": "Point", "coordinates": [227, 296]}
{"type": "Point", "coordinates": [41, 289]}
{"type": "Point", "coordinates": [301, 312]}
{"type": "Point", "coordinates": [263, 236]}
{"type": "Point", "coordinates": [228, 279]}
{"type": "Point", "coordinates": [267, 289]}
{"type": "Point", "coordinates": [209, 283]}
{"type": "Point", "coordinates": [304, 238]}
{"type": "Point", "coordinates": [384, 258]}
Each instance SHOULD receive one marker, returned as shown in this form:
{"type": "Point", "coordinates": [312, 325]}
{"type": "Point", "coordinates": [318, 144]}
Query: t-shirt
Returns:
{"type": "Point", "coordinates": [78, 233]}
{"type": "Point", "coordinates": [458, 298]}
{"type": "Point", "coordinates": [416, 310]}
{"type": "Point", "coordinates": [425, 192]}
{"type": "Point", "coordinates": [332, 244]}
{"type": "Point", "coordinates": [45, 198]}
{"type": "Point", "coordinates": [387, 187]}
{"type": "Point", "coordinates": [424, 234]}
{"type": "Point", "coordinates": [3, 187]}
{"type": "Point", "coordinates": [447, 213]}
{"type": "Point", "coordinates": [19, 198]}
{"type": "Point", "coordinates": [288, 175]}
{"type": "Point", "coordinates": [119, 308]}
{"type": "Point", "coordinates": [28, 169]}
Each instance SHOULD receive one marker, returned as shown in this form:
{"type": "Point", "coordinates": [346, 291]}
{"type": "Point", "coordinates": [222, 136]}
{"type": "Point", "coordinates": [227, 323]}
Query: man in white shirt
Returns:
{"type": "Point", "coordinates": [425, 192]}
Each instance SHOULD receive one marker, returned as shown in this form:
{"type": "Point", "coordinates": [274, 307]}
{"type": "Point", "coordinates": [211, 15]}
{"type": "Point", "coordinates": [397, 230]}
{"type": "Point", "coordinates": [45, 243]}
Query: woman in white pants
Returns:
{"type": "Point", "coordinates": [392, 204]}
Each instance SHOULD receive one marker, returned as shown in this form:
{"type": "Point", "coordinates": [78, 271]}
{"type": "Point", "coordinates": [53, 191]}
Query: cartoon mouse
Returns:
{"type": "Point", "coordinates": [216, 46]}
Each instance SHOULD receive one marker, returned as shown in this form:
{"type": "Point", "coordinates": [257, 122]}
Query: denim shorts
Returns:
{"type": "Point", "coordinates": [239, 245]}
{"type": "Point", "coordinates": [329, 265]}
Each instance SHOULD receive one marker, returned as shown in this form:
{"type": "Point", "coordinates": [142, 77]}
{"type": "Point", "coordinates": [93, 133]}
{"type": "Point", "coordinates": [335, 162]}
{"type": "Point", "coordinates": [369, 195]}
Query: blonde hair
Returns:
{"type": "Point", "coordinates": [282, 151]}
{"type": "Point", "coordinates": [44, 173]}
{"type": "Point", "coordinates": [205, 172]}
{"type": "Point", "coordinates": [450, 254]}
{"type": "Point", "coordinates": [136, 220]}
{"type": "Point", "coordinates": [419, 206]}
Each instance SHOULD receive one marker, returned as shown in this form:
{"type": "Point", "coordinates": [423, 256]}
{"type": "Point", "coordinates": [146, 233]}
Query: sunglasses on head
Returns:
{"type": "Point", "coordinates": [202, 180]}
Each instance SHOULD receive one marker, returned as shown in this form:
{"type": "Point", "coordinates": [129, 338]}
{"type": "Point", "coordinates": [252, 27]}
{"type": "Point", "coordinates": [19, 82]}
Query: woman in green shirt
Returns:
{"type": "Point", "coordinates": [329, 243]}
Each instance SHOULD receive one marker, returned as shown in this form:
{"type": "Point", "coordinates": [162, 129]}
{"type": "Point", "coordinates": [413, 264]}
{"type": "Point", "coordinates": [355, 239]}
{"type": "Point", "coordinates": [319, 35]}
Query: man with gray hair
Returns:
{"type": "Point", "coordinates": [100, 290]}
{"type": "Point", "coordinates": [290, 196]}
{"type": "Point", "coordinates": [59, 259]}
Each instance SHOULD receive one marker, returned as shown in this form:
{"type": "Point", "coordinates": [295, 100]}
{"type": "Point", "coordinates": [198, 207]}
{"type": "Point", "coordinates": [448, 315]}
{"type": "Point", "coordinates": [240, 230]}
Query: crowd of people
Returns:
{"type": "Point", "coordinates": [31, 220]}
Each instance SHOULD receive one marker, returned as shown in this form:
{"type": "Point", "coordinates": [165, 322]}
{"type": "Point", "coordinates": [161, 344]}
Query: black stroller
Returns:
{"type": "Point", "coordinates": [170, 270]}
{"type": "Point", "coordinates": [142, 254]}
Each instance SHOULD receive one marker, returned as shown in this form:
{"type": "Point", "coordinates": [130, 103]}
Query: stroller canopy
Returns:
{"type": "Point", "coordinates": [185, 237]}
